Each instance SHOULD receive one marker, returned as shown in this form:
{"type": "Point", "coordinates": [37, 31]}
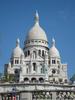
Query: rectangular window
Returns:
{"type": "Point", "coordinates": [53, 62]}
{"type": "Point", "coordinates": [43, 53]}
{"type": "Point", "coordinates": [16, 61]}
{"type": "Point", "coordinates": [28, 52]}
{"type": "Point", "coordinates": [34, 66]}
{"type": "Point", "coordinates": [41, 70]}
{"type": "Point", "coordinates": [39, 52]}
{"type": "Point", "coordinates": [27, 70]}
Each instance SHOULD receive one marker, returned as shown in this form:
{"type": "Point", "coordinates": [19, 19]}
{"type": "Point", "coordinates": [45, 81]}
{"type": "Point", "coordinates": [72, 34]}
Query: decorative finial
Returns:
{"type": "Point", "coordinates": [36, 17]}
{"type": "Point", "coordinates": [53, 42]}
{"type": "Point", "coordinates": [17, 42]}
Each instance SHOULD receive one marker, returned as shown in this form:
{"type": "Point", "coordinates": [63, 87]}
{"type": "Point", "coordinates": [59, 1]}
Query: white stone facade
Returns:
{"type": "Point", "coordinates": [36, 61]}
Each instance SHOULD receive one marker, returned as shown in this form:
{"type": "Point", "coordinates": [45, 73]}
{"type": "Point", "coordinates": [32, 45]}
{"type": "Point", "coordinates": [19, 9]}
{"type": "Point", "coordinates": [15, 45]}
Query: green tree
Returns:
{"type": "Point", "coordinates": [72, 79]}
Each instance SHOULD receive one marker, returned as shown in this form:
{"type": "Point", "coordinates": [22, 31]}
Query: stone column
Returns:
{"type": "Point", "coordinates": [17, 97]}
{"type": "Point", "coordinates": [53, 95]}
{"type": "Point", "coordinates": [26, 96]}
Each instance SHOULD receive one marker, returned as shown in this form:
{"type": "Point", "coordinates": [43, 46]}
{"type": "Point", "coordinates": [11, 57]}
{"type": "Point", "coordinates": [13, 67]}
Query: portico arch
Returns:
{"type": "Point", "coordinates": [26, 79]}
{"type": "Point", "coordinates": [33, 79]}
{"type": "Point", "coordinates": [41, 79]}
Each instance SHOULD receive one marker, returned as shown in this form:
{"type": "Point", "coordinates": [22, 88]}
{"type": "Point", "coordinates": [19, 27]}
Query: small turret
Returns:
{"type": "Point", "coordinates": [53, 52]}
{"type": "Point", "coordinates": [17, 52]}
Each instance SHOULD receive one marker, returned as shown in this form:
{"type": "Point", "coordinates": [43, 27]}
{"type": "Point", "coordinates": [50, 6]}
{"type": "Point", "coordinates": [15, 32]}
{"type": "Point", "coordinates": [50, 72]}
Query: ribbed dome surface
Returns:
{"type": "Point", "coordinates": [36, 32]}
{"type": "Point", "coordinates": [54, 52]}
{"type": "Point", "coordinates": [17, 52]}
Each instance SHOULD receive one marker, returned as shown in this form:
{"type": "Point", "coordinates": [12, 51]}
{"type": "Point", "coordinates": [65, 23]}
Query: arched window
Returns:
{"type": "Point", "coordinates": [43, 53]}
{"type": "Point", "coordinates": [65, 81]}
{"type": "Point", "coordinates": [41, 70]}
{"type": "Point", "coordinates": [58, 62]}
{"type": "Point", "coordinates": [41, 79]}
{"type": "Point", "coordinates": [27, 70]}
{"type": "Point", "coordinates": [16, 61]}
{"type": "Point", "coordinates": [33, 79]}
{"type": "Point", "coordinates": [34, 66]}
{"type": "Point", "coordinates": [60, 80]}
{"type": "Point", "coordinates": [39, 52]}
{"type": "Point", "coordinates": [34, 54]}
{"type": "Point", "coordinates": [53, 62]}
{"type": "Point", "coordinates": [53, 79]}
{"type": "Point", "coordinates": [28, 52]}
{"type": "Point", "coordinates": [17, 73]}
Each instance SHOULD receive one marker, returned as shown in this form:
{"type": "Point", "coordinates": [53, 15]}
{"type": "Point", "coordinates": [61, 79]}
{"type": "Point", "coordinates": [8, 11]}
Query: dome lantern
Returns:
{"type": "Point", "coordinates": [36, 18]}
{"type": "Point", "coordinates": [17, 42]}
{"type": "Point", "coordinates": [53, 42]}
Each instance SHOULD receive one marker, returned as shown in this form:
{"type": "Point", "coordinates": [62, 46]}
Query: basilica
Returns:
{"type": "Point", "coordinates": [36, 62]}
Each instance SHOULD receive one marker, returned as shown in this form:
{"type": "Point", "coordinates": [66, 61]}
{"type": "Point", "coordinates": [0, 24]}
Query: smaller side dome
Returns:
{"type": "Point", "coordinates": [17, 52]}
{"type": "Point", "coordinates": [53, 52]}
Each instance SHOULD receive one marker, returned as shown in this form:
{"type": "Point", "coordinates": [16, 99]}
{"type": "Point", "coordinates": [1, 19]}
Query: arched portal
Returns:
{"type": "Point", "coordinates": [26, 79]}
{"type": "Point", "coordinates": [41, 79]}
{"type": "Point", "coordinates": [33, 79]}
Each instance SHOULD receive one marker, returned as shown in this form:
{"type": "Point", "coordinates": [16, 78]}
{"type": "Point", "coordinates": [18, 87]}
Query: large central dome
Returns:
{"type": "Point", "coordinates": [36, 32]}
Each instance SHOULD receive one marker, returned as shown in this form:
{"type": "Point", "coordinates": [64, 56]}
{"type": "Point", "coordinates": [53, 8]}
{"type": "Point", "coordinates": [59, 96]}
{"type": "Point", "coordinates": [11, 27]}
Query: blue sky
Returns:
{"type": "Point", "coordinates": [57, 17]}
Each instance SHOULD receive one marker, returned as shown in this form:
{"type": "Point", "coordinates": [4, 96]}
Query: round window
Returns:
{"type": "Point", "coordinates": [53, 71]}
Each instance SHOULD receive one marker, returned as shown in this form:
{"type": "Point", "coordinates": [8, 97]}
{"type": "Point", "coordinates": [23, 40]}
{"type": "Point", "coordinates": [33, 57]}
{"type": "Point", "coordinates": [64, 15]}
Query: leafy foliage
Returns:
{"type": "Point", "coordinates": [72, 79]}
